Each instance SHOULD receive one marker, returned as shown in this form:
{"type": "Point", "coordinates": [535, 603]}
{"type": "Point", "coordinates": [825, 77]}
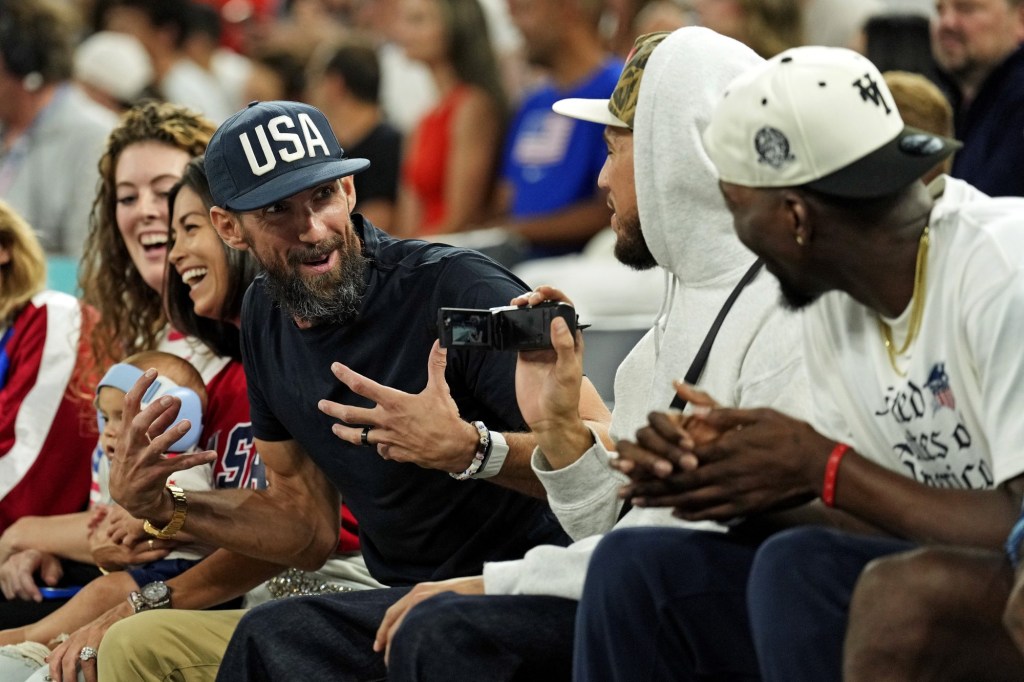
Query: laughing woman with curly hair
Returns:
{"type": "Point", "coordinates": [122, 267]}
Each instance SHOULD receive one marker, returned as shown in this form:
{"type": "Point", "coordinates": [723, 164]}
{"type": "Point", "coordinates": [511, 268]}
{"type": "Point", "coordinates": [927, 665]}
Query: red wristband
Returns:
{"type": "Point", "coordinates": [828, 489]}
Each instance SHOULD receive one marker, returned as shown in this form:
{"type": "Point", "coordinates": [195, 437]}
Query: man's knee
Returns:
{"type": "Point", "coordinates": [912, 594]}
{"type": "Point", "coordinates": [134, 644]}
{"type": "Point", "coordinates": [151, 644]}
{"type": "Point", "coordinates": [792, 550]}
{"type": "Point", "coordinates": [624, 554]}
{"type": "Point", "coordinates": [430, 627]}
{"type": "Point", "coordinates": [626, 542]}
{"type": "Point", "coordinates": [910, 612]}
{"type": "Point", "coordinates": [903, 586]}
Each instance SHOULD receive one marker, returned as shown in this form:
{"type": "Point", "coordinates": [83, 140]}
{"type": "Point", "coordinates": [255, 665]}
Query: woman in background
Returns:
{"type": "Point", "coordinates": [47, 429]}
{"type": "Point", "coordinates": [451, 158]}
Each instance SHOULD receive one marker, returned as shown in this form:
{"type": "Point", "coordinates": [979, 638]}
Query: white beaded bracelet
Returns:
{"type": "Point", "coordinates": [483, 446]}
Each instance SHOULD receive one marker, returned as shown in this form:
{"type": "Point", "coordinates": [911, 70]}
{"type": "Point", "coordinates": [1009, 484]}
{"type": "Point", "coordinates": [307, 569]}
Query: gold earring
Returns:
{"type": "Point", "coordinates": [800, 240]}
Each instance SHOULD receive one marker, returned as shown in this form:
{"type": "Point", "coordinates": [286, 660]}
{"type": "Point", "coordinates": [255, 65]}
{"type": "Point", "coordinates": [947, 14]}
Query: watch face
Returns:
{"type": "Point", "coordinates": [155, 592]}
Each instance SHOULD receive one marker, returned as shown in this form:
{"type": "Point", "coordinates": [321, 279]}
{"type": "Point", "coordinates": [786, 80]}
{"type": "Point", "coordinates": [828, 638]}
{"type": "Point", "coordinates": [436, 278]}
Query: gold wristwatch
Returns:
{"type": "Point", "coordinates": [177, 518]}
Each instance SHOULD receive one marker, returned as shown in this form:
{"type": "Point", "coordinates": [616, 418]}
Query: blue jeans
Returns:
{"type": "Point", "coordinates": [665, 604]}
{"type": "Point", "coordinates": [325, 637]}
{"type": "Point", "coordinates": [799, 598]}
{"type": "Point", "coordinates": [485, 639]}
{"type": "Point", "coordinates": [670, 604]}
{"type": "Point", "coordinates": [447, 637]}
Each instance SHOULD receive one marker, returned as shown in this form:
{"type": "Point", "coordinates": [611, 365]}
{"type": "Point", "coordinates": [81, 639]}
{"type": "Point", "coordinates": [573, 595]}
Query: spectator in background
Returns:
{"type": "Point", "coordinates": [275, 74]}
{"type": "Point", "coordinates": [766, 26]}
{"type": "Point", "coordinates": [113, 69]}
{"type": "Point", "coordinates": [450, 159]}
{"type": "Point", "coordinates": [51, 133]}
{"type": "Point", "coordinates": [203, 45]}
{"type": "Point", "coordinates": [47, 428]}
{"type": "Point", "coordinates": [977, 47]}
{"type": "Point", "coordinates": [659, 15]}
{"type": "Point", "coordinates": [162, 28]}
{"type": "Point", "coordinates": [347, 89]}
{"type": "Point", "coordinates": [407, 91]}
{"type": "Point", "coordinates": [838, 23]}
{"type": "Point", "coordinates": [922, 105]}
{"type": "Point", "coordinates": [548, 195]}
{"type": "Point", "coordinates": [900, 42]}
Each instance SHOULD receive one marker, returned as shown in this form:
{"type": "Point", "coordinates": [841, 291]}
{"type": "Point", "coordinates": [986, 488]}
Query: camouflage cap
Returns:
{"type": "Point", "coordinates": [620, 109]}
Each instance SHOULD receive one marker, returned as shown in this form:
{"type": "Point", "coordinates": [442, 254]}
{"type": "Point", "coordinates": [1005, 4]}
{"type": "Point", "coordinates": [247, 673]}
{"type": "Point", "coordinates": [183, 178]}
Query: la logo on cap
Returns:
{"type": "Point", "coordinates": [292, 146]}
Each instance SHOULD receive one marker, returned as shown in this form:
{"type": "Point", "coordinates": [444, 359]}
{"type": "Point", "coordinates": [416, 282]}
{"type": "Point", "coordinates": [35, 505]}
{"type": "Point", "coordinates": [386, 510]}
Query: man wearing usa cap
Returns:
{"type": "Point", "coordinates": [401, 429]}
{"type": "Point", "coordinates": [918, 299]}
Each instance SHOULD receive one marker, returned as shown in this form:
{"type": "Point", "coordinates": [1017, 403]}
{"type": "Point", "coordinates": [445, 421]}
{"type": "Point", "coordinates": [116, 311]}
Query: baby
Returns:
{"type": "Point", "coordinates": [112, 528]}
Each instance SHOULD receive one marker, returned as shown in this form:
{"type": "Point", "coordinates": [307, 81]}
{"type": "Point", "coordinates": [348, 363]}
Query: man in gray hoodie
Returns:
{"type": "Point", "coordinates": [516, 621]}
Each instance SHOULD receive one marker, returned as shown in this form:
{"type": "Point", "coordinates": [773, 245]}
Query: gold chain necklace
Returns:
{"type": "Point", "coordinates": [916, 309]}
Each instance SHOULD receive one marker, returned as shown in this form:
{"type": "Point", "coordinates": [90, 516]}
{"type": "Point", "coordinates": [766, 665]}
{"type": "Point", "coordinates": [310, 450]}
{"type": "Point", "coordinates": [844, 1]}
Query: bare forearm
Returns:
{"type": "Point", "coordinates": [258, 524]}
{"type": "Point", "coordinates": [222, 576]}
{"type": "Point", "coordinates": [516, 472]}
{"type": "Point", "coordinates": [574, 441]}
{"type": "Point", "coordinates": [380, 212]}
{"type": "Point", "coordinates": [564, 440]}
{"type": "Point", "coordinates": [926, 514]}
{"type": "Point", "coordinates": [65, 536]}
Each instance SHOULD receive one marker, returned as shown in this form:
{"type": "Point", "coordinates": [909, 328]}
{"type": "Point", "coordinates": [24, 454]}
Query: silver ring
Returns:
{"type": "Point", "coordinates": [151, 543]}
{"type": "Point", "coordinates": [87, 653]}
{"type": "Point", "coordinates": [364, 438]}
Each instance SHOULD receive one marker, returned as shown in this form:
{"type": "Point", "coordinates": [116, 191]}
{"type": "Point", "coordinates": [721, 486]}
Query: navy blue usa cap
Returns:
{"type": "Point", "coordinates": [271, 150]}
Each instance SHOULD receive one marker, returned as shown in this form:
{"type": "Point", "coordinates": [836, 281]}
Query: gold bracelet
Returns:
{"type": "Point", "coordinates": [177, 518]}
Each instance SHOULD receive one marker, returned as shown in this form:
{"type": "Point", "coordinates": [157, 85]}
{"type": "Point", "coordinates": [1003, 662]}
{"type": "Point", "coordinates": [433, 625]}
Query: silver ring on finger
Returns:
{"type": "Point", "coordinates": [364, 437]}
{"type": "Point", "coordinates": [87, 653]}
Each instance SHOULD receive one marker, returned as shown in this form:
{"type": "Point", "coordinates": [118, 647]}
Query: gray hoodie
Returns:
{"type": "Point", "coordinates": [756, 360]}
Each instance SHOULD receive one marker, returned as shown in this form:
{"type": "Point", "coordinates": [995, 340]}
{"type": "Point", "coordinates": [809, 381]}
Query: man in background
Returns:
{"type": "Point", "coordinates": [977, 46]}
{"type": "Point", "coordinates": [51, 133]}
{"type": "Point", "coordinates": [345, 85]}
{"type": "Point", "coordinates": [548, 191]}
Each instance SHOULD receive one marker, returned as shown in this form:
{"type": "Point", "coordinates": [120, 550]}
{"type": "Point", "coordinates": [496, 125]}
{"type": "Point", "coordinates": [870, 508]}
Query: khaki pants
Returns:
{"type": "Point", "coordinates": [165, 645]}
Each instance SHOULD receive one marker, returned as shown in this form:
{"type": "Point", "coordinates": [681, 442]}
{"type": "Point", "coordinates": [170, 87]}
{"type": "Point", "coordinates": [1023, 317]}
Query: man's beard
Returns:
{"type": "Point", "coordinates": [330, 297]}
{"type": "Point", "coordinates": [792, 299]}
{"type": "Point", "coordinates": [630, 246]}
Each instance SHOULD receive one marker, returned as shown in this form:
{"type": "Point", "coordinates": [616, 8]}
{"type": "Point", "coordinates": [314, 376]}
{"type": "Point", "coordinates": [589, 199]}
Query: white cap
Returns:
{"type": "Point", "coordinates": [592, 110]}
{"type": "Point", "coordinates": [820, 117]}
{"type": "Point", "coordinates": [115, 63]}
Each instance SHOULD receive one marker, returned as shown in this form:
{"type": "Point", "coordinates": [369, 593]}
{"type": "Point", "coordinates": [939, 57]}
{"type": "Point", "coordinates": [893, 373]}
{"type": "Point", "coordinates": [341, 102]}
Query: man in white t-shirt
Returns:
{"type": "Point", "coordinates": [911, 350]}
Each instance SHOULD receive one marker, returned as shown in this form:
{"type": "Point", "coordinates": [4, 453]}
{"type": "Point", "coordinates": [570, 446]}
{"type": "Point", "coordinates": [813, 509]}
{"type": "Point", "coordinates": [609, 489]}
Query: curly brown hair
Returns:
{"type": "Point", "coordinates": [131, 313]}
